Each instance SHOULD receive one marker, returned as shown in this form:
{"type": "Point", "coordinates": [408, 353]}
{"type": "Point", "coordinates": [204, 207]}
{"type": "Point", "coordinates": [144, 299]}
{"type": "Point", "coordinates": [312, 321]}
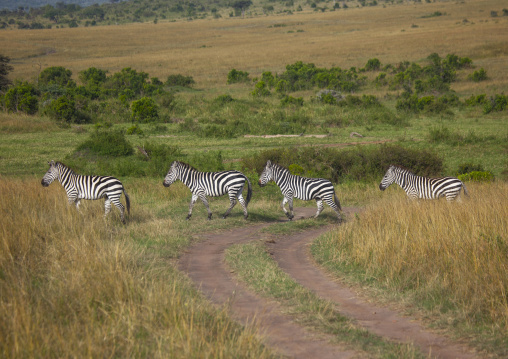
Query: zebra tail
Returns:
{"type": "Point", "coordinates": [128, 201]}
{"type": "Point", "coordinates": [465, 190]}
{"type": "Point", "coordinates": [336, 200]}
{"type": "Point", "coordinates": [249, 192]}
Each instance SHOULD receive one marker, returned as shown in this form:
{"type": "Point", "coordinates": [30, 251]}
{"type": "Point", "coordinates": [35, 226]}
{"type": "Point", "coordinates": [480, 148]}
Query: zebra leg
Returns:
{"type": "Point", "coordinates": [205, 202]}
{"type": "Point", "coordinates": [232, 200]}
{"type": "Point", "coordinates": [289, 200]}
{"type": "Point", "coordinates": [107, 206]}
{"type": "Point", "coordinates": [332, 204]}
{"type": "Point", "coordinates": [120, 207]}
{"type": "Point", "coordinates": [193, 200]}
{"type": "Point", "coordinates": [244, 206]}
{"type": "Point", "coordinates": [320, 207]}
{"type": "Point", "coordinates": [75, 201]}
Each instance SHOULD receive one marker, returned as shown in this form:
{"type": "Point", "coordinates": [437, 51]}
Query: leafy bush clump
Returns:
{"type": "Point", "coordinates": [180, 80]}
{"type": "Point", "coordinates": [479, 75]}
{"type": "Point", "coordinates": [22, 98]}
{"type": "Point", "coordinates": [497, 103]}
{"type": "Point", "coordinates": [235, 76]}
{"type": "Point", "coordinates": [107, 143]}
{"type": "Point", "coordinates": [477, 176]}
{"type": "Point", "coordinates": [431, 104]}
{"type": "Point", "coordinates": [358, 164]}
{"type": "Point", "coordinates": [468, 167]}
{"type": "Point", "coordinates": [291, 101]}
{"type": "Point", "coordinates": [159, 157]}
{"type": "Point", "coordinates": [63, 109]}
{"type": "Point", "coordinates": [145, 110]}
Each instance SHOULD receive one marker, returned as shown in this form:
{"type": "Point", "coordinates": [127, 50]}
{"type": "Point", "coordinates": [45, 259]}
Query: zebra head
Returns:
{"type": "Point", "coordinates": [172, 175]}
{"type": "Point", "coordinates": [51, 175]}
{"type": "Point", "coordinates": [267, 174]}
{"type": "Point", "coordinates": [388, 178]}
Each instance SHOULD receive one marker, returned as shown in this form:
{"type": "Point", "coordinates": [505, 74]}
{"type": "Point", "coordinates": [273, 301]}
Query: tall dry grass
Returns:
{"type": "Point", "coordinates": [75, 285]}
{"type": "Point", "coordinates": [452, 256]}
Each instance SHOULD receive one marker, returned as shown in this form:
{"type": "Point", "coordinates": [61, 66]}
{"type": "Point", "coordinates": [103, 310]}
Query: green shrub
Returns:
{"type": "Point", "coordinates": [135, 130]}
{"type": "Point", "coordinates": [145, 110]}
{"type": "Point", "coordinates": [373, 65]}
{"type": "Point", "coordinates": [477, 176]}
{"type": "Point", "coordinates": [291, 101]}
{"type": "Point", "coordinates": [479, 75]}
{"type": "Point", "coordinates": [235, 76]}
{"type": "Point", "coordinates": [180, 80]}
{"type": "Point", "coordinates": [62, 109]}
{"type": "Point", "coordinates": [22, 98]}
{"type": "Point", "coordinates": [160, 157]}
{"type": "Point", "coordinates": [497, 103]}
{"type": "Point", "coordinates": [476, 100]}
{"type": "Point", "coordinates": [107, 143]}
{"type": "Point", "coordinates": [357, 164]}
{"type": "Point", "coordinates": [261, 90]}
{"type": "Point", "coordinates": [56, 75]}
{"type": "Point", "coordinates": [468, 167]}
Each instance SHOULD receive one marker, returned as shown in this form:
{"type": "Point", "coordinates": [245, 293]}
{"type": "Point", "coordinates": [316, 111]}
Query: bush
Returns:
{"type": "Point", "coordinates": [145, 110]}
{"type": "Point", "coordinates": [468, 167]}
{"type": "Point", "coordinates": [477, 176]}
{"type": "Point", "coordinates": [480, 75]}
{"type": "Point", "coordinates": [291, 101]}
{"type": "Point", "coordinates": [180, 80]}
{"type": "Point", "coordinates": [62, 109]}
{"type": "Point", "coordinates": [235, 76]}
{"type": "Point", "coordinates": [497, 103]}
{"type": "Point", "coordinates": [260, 90]}
{"type": "Point", "coordinates": [56, 75]}
{"type": "Point", "coordinates": [107, 143]}
{"type": "Point", "coordinates": [357, 164]}
{"type": "Point", "coordinates": [160, 157]}
{"type": "Point", "coordinates": [373, 65]}
{"type": "Point", "coordinates": [22, 98]}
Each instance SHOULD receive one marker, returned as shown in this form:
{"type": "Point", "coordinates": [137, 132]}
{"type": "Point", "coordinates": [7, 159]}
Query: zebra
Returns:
{"type": "Point", "coordinates": [87, 187]}
{"type": "Point", "coordinates": [300, 187]}
{"type": "Point", "coordinates": [422, 187]}
{"type": "Point", "coordinates": [202, 184]}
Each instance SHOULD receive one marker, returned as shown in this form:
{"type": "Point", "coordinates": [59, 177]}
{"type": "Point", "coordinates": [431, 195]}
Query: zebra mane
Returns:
{"type": "Point", "coordinates": [402, 168]}
{"type": "Point", "coordinates": [61, 164]}
{"type": "Point", "coordinates": [185, 165]}
{"type": "Point", "coordinates": [277, 166]}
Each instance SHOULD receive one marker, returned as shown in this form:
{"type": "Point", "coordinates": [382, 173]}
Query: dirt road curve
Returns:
{"type": "Point", "coordinates": [204, 264]}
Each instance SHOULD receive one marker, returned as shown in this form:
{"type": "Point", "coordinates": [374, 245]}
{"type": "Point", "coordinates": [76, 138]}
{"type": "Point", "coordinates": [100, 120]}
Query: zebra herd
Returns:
{"type": "Point", "coordinates": [203, 184]}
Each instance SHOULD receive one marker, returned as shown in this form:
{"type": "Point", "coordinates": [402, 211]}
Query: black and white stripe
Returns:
{"type": "Point", "coordinates": [213, 184]}
{"type": "Point", "coordinates": [300, 187]}
{"type": "Point", "coordinates": [422, 187]}
{"type": "Point", "coordinates": [87, 187]}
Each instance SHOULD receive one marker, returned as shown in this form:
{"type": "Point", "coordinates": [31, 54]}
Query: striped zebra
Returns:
{"type": "Point", "coordinates": [80, 187]}
{"type": "Point", "coordinates": [300, 187]}
{"type": "Point", "coordinates": [214, 184]}
{"type": "Point", "coordinates": [422, 187]}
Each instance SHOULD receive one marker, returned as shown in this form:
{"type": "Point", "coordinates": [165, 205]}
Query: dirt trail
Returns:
{"type": "Point", "coordinates": [204, 264]}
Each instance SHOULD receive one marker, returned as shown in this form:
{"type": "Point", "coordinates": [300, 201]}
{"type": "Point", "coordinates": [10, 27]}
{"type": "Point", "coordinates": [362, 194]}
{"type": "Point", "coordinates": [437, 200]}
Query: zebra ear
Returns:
{"type": "Point", "coordinates": [268, 163]}
{"type": "Point", "coordinates": [51, 163]}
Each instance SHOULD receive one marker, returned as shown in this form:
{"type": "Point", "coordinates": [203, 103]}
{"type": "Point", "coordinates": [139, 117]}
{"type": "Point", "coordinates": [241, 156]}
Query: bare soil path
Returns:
{"type": "Point", "coordinates": [204, 264]}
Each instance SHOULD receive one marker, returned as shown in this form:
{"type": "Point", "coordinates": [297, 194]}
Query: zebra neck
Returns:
{"type": "Point", "coordinates": [186, 175]}
{"type": "Point", "coordinates": [281, 175]}
{"type": "Point", "coordinates": [403, 178]}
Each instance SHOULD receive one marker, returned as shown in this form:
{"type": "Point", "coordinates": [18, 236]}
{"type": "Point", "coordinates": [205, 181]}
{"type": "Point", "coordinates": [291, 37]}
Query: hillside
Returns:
{"type": "Point", "coordinates": [27, 4]}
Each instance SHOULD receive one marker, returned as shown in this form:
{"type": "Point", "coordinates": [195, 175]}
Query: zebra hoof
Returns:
{"type": "Point", "coordinates": [188, 217]}
{"type": "Point", "coordinates": [209, 217]}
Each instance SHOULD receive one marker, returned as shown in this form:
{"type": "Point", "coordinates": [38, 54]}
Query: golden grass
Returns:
{"type": "Point", "coordinates": [455, 253]}
{"type": "Point", "coordinates": [76, 285]}
{"type": "Point", "coordinates": [209, 49]}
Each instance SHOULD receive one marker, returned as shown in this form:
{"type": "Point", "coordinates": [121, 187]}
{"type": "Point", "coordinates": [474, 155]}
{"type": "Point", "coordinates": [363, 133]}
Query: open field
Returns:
{"type": "Point", "coordinates": [209, 49]}
{"type": "Point", "coordinates": [75, 284]}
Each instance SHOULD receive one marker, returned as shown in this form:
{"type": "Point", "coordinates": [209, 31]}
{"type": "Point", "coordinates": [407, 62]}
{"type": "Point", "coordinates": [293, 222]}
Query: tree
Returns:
{"type": "Point", "coordinates": [56, 75]}
{"type": "Point", "coordinates": [22, 98]}
{"type": "Point", "coordinates": [240, 6]}
{"type": "Point", "coordinates": [5, 68]}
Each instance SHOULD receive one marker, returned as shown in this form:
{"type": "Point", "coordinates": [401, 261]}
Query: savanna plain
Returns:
{"type": "Point", "coordinates": [76, 284]}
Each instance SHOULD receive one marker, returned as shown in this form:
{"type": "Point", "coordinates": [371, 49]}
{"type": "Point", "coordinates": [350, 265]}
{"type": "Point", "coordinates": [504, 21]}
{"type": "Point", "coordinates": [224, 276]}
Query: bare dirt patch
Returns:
{"type": "Point", "coordinates": [204, 264]}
